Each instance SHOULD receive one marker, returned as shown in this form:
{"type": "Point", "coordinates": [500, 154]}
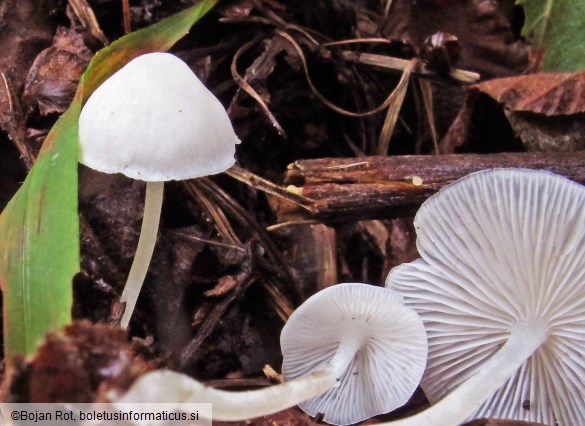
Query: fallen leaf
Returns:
{"type": "Point", "coordinates": [53, 76]}
{"type": "Point", "coordinates": [545, 112]}
{"type": "Point", "coordinates": [548, 94]}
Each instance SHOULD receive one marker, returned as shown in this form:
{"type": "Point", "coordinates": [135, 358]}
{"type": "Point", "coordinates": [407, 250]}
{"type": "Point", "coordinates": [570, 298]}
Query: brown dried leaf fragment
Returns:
{"type": "Point", "coordinates": [78, 363]}
{"type": "Point", "coordinates": [441, 51]}
{"type": "Point", "coordinates": [557, 133]}
{"type": "Point", "coordinates": [545, 111]}
{"type": "Point", "coordinates": [237, 10]}
{"type": "Point", "coordinates": [548, 94]}
{"type": "Point", "coordinates": [52, 79]}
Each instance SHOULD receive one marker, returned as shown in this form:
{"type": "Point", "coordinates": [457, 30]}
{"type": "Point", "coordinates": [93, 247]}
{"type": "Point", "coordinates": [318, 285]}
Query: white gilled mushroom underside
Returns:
{"type": "Point", "coordinates": [375, 346]}
{"type": "Point", "coordinates": [351, 351]}
{"type": "Point", "coordinates": [501, 288]}
{"type": "Point", "coordinates": [153, 120]}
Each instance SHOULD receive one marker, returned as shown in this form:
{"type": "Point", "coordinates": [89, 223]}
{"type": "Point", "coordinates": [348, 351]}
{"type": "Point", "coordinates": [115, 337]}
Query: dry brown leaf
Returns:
{"type": "Point", "coordinates": [544, 110]}
{"type": "Point", "coordinates": [52, 79]}
{"type": "Point", "coordinates": [549, 94]}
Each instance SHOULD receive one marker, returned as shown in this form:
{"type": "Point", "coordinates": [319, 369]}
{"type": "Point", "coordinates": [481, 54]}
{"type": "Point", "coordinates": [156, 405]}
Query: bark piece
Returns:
{"type": "Point", "coordinates": [389, 187]}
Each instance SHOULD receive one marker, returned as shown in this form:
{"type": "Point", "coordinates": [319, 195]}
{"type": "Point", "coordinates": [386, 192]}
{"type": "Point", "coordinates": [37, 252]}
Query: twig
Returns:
{"type": "Point", "coordinates": [264, 185]}
{"type": "Point", "coordinates": [388, 187]}
{"type": "Point", "coordinates": [398, 65]}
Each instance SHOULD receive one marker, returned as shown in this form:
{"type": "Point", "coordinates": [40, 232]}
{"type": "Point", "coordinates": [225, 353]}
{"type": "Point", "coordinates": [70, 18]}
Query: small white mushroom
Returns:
{"type": "Point", "coordinates": [501, 288]}
{"type": "Point", "coordinates": [356, 345]}
{"type": "Point", "coordinates": [367, 339]}
{"type": "Point", "coordinates": [155, 121]}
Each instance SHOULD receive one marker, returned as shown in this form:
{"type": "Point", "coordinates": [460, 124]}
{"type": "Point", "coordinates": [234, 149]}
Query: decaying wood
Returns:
{"type": "Point", "coordinates": [388, 187]}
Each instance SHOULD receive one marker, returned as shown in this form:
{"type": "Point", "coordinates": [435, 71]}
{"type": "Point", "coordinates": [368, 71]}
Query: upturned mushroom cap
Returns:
{"type": "Point", "coordinates": [503, 250]}
{"type": "Point", "coordinates": [154, 120]}
{"type": "Point", "coordinates": [389, 362]}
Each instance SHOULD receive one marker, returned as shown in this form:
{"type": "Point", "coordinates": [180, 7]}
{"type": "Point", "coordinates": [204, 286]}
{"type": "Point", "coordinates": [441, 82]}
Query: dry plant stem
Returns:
{"type": "Point", "coordinates": [387, 102]}
{"type": "Point", "coordinates": [398, 65]}
{"type": "Point", "coordinates": [394, 108]}
{"type": "Point", "coordinates": [126, 13]}
{"type": "Point", "coordinates": [247, 87]}
{"type": "Point", "coordinates": [461, 403]}
{"type": "Point", "coordinates": [234, 406]}
{"type": "Point", "coordinates": [85, 14]}
{"type": "Point", "coordinates": [146, 242]}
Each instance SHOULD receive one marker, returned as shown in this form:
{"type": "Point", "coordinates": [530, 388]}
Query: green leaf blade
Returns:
{"type": "Point", "coordinates": [39, 238]}
{"type": "Point", "coordinates": [556, 29]}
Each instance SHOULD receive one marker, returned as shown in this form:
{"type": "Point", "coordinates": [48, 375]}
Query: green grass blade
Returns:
{"type": "Point", "coordinates": [39, 228]}
{"type": "Point", "coordinates": [39, 242]}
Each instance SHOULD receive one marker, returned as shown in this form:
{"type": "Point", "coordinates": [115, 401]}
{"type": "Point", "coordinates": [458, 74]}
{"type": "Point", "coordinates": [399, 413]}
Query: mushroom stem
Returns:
{"type": "Point", "coordinates": [159, 386]}
{"type": "Point", "coordinates": [146, 241]}
{"type": "Point", "coordinates": [460, 404]}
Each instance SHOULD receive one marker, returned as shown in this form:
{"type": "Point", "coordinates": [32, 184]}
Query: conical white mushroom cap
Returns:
{"type": "Point", "coordinates": [502, 248]}
{"type": "Point", "coordinates": [388, 365]}
{"type": "Point", "coordinates": [154, 120]}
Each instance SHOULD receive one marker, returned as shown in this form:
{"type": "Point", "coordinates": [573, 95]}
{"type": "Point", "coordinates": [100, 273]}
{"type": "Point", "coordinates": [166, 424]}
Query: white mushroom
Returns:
{"type": "Point", "coordinates": [501, 288]}
{"type": "Point", "coordinates": [356, 345]}
{"type": "Point", "coordinates": [155, 121]}
{"type": "Point", "coordinates": [367, 339]}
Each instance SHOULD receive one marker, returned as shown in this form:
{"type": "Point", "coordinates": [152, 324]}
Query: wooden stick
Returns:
{"type": "Point", "coordinates": [388, 187]}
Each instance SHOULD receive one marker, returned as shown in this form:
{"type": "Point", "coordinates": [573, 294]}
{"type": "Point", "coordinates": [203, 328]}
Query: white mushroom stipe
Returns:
{"type": "Point", "coordinates": [168, 386]}
{"type": "Point", "coordinates": [146, 241]}
{"type": "Point", "coordinates": [501, 288]}
{"type": "Point", "coordinates": [155, 121]}
{"type": "Point", "coordinates": [356, 345]}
